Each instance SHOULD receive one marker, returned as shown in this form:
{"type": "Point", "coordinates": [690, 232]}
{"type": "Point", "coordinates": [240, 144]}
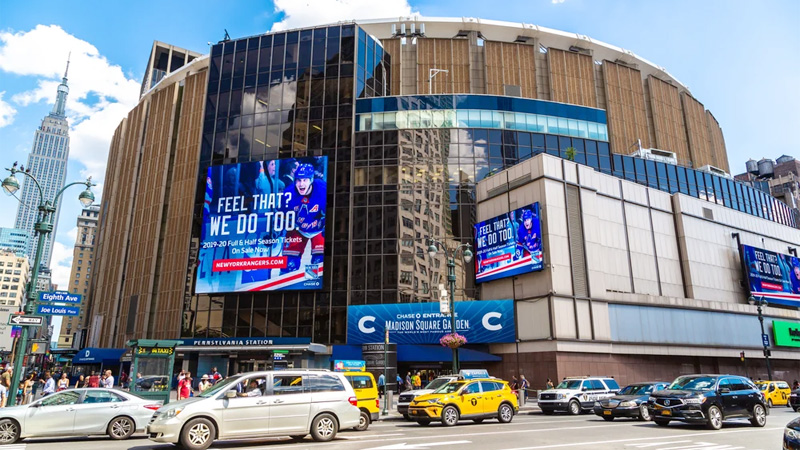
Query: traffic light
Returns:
{"type": "Point", "coordinates": [741, 356]}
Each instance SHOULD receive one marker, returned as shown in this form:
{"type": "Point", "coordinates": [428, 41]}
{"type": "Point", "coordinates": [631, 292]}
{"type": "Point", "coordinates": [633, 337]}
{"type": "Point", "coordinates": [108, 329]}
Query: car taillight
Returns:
{"type": "Point", "coordinates": [153, 406]}
{"type": "Point", "coordinates": [353, 401]}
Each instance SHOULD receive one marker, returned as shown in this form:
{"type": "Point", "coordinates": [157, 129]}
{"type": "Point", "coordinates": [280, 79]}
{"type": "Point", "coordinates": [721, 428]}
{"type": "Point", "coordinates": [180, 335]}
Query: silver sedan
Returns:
{"type": "Point", "coordinates": [78, 412]}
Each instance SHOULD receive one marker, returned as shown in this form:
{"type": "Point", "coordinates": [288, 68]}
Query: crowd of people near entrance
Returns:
{"type": "Point", "coordinates": [186, 386]}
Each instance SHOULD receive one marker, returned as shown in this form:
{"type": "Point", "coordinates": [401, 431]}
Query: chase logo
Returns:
{"type": "Point", "coordinates": [490, 326]}
{"type": "Point", "coordinates": [362, 324]}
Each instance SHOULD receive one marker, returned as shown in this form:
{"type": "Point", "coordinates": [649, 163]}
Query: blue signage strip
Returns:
{"type": "Point", "coordinates": [263, 226]}
{"type": "Point", "coordinates": [509, 245]}
{"type": "Point", "coordinates": [243, 342]}
{"type": "Point", "coordinates": [60, 297]}
{"type": "Point", "coordinates": [765, 339]}
{"type": "Point", "coordinates": [481, 322]}
{"type": "Point", "coordinates": [349, 365]}
{"type": "Point", "coordinates": [54, 310]}
{"type": "Point", "coordinates": [774, 276]}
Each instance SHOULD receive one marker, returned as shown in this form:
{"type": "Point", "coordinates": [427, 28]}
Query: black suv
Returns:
{"type": "Point", "coordinates": [708, 399]}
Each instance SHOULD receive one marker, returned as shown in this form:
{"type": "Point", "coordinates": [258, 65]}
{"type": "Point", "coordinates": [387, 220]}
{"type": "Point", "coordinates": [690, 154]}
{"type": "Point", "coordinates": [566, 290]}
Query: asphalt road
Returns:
{"type": "Point", "coordinates": [528, 431]}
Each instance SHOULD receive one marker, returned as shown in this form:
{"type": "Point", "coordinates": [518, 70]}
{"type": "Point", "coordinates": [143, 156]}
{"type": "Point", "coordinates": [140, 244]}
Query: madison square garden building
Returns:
{"type": "Point", "coordinates": [209, 233]}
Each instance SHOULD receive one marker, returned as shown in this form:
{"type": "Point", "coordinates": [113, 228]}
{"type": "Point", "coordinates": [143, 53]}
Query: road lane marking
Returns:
{"type": "Point", "coordinates": [619, 441]}
{"type": "Point", "coordinates": [656, 444]}
{"type": "Point", "coordinates": [353, 437]}
{"type": "Point", "coordinates": [404, 446]}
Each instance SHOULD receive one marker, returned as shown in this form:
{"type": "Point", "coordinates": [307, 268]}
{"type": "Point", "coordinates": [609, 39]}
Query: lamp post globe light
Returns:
{"type": "Point", "coordinates": [43, 226]}
{"type": "Point", "coordinates": [450, 254]}
{"type": "Point", "coordinates": [760, 302]}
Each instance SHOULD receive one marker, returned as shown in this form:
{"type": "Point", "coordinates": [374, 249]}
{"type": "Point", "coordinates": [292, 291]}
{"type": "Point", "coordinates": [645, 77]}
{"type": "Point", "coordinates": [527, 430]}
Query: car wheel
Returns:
{"type": "Point", "coordinates": [547, 412]}
{"type": "Point", "coordinates": [759, 416]}
{"type": "Point", "coordinates": [197, 434]}
{"type": "Point", "coordinates": [769, 403]}
{"type": "Point", "coordinates": [9, 431]}
{"type": "Point", "coordinates": [644, 413]}
{"type": "Point", "coordinates": [449, 416]}
{"type": "Point", "coordinates": [477, 420]}
{"type": "Point", "coordinates": [363, 422]}
{"type": "Point", "coordinates": [121, 428]}
{"type": "Point", "coordinates": [608, 418]}
{"type": "Point", "coordinates": [574, 407]}
{"type": "Point", "coordinates": [406, 416]}
{"type": "Point", "coordinates": [323, 428]}
{"type": "Point", "coordinates": [424, 423]}
{"type": "Point", "coordinates": [505, 413]}
{"type": "Point", "coordinates": [714, 418]}
{"type": "Point", "coordinates": [661, 422]}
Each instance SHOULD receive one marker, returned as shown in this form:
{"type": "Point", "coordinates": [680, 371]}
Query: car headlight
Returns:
{"type": "Point", "coordinates": [627, 404]}
{"type": "Point", "coordinates": [651, 400]}
{"type": "Point", "coordinates": [436, 401]}
{"type": "Point", "coordinates": [561, 396]}
{"type": "Point", "coordinates": [170, 413]}
{"type": "Point", "coordinates": [695, 401]}
{"type": "Point", "coordinates": [791, 434]}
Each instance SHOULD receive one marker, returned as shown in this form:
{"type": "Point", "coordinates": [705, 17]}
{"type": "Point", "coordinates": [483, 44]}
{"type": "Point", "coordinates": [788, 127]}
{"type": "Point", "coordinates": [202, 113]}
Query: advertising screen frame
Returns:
{"type": "Point", "coordinates": [263, 226]}
{"type": "Point", "coordinates": [772, 275]}
{"type": "Point", "coordinates": [502, 242]}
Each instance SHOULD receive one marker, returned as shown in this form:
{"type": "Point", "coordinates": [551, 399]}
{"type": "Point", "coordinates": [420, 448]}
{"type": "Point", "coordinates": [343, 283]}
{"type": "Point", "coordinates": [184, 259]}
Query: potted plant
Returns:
{"type": "Point", "coordinates": [453, 340]}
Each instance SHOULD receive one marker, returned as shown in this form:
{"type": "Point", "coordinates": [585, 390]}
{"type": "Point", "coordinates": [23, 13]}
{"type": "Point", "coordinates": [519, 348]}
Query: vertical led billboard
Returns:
{"type": "Point", "coordinates": [774, 276]}
{"type": "Point", "coordinates": [508, 245]}
{"type": "Point", "coordinates": [263, 226]}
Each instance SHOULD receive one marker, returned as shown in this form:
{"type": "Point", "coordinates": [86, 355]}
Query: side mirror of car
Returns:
{"type": "Point", "coordinates": [230, 394]}
{"type": "Point", "coordinates": [584, 388]}
{"type": "Point", "coordinates": [724, 390]}
{"type": "Point", "coordinates": [35, 405]}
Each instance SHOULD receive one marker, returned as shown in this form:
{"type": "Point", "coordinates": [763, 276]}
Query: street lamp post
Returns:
{"type": "Point", "coordinates": [450, 254]}
{"type": "Point", "coordinates": [759, 302]}
{"type": "Point", "coordinates": [44, 227]}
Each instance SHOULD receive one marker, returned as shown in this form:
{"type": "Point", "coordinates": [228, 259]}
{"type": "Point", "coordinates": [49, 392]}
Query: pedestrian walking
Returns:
{"type": "Point", "coordinates": [214, 376]}
{"type": "Point", "coordinates": [123, 380]}
{"type": "Point", "coordinates": [417, 380]}
{"type": "Point", "coordinates": [49, 384]}
{"type": "Point", "coordinates": [549, 384]}
{"type": "Point", "coordinates": [523, 385]}
{"type": "Point", "coordinates": [205, 383]}
{"type": "Point", "coordinates": [514, 383]}
{"type": "Point", "coordinates": [381, 385]}
{"type": "Point", "coordinates": [108, 381]}
{"type": "Point", "coordinates": [27, 389]}
{"type": "Point", "coordinates": [20, 390]}
{"type": "Point", "coordinates": [409, 385]}
{"type": "Point", "coordinates": [3, 395]}
{"type": "Point", "coordinates": [185, 386]}
{"type": "Point", "coordinates": [63, 383]}
{"type": "Point", "coordinates": [399, 384]}
{"type": "Point", "coordinates": [8, 376]}
{"type": "Point", "coordinates": [94, 380]}
{"type": "Point", "coordinates": [80, 382]}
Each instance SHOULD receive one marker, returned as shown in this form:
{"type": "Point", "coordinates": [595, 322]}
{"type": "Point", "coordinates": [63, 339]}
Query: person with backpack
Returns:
{"type": "Point", "coordinates": [523, 385]}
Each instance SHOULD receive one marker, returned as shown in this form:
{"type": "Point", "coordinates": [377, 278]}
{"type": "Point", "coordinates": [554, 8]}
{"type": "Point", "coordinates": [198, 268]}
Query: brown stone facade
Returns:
{"type": "Point", "coordinates": [537, 367]}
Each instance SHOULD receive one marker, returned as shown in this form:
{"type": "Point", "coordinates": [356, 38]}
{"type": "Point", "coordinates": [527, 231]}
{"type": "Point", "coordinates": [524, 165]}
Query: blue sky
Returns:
{"type": "Point", "coordinates": [739, 58]}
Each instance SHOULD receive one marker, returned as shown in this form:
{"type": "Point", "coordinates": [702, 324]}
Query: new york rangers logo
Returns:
{"type": "Point", "coordinates": [305, 199]}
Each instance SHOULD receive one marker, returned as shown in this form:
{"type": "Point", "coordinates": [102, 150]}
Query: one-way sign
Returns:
{"type": "Point", "coordinates": [20, 320]}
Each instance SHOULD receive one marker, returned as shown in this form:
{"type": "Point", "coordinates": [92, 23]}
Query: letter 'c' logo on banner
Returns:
{"type": "Point", "coordinates": [489, 326]}
{"type": "Point", "coordinates": [362, 324]}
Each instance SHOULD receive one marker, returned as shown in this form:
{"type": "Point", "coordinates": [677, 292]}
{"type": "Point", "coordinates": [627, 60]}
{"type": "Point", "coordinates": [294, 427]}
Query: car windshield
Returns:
{"type": "Point", "coordinates": [437, 383]}
{"type": "Point", "coordinates": [449, 388]}
{"type": "Point", "coordinates": [636, 389]}
{"type": "Point", "coordinates": [763, 386]}
{"type": "Point", "coordinates": [694, 383]}
{"type": "Point", "coordinates": [569, 384]}
{"type": "Point", "coordinates": [219, 386]}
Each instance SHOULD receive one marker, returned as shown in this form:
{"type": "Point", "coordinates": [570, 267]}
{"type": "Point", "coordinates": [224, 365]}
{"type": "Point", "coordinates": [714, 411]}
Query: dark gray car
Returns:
{"type": "Point", "coordinates": [630, 401]}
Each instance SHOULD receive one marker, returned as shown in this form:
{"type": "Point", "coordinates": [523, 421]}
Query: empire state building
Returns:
{"type": "Point", "coordinates": [48, 163]}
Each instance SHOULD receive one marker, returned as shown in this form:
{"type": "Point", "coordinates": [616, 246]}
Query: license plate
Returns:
{"type": "Point", "coordinates": [666, 412]}
{"type": "Point", "coordinates": [606, 413]}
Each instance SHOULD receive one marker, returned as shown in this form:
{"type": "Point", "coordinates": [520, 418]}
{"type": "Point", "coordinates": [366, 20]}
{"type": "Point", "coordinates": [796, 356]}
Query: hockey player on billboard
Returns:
{"type": "Point", "coordinates": [307, 199]}
{"type": "Point", "coordinates": [527, 240]}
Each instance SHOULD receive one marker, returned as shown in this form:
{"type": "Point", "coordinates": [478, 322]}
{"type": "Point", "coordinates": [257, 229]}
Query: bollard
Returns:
{"type": "Point", "coordinates": [388, 400]}
{"type": "Point", "coordinates": [521, 397]}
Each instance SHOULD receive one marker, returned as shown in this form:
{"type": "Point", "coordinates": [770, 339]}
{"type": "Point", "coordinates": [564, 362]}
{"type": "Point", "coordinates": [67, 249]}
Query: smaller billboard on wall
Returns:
{"type": "Point", "coordinates": [509, 244]}
{"type": "Point", "coordinates": [263, 226]}
{"type": "Point", "coordinates": [774, 276]}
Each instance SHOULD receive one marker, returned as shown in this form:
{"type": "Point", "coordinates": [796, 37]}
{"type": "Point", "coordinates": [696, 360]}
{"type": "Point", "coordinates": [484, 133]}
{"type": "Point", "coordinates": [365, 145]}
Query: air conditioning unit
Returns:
{"type": "Point", "coordinates": [656, 154]}
{"type": "Point", "coordinates": [715, 170]}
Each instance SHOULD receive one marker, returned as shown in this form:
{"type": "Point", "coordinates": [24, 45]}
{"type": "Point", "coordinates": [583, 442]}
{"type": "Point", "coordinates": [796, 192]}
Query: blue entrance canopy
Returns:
{"type": "Point", "coordinates": [98, 356]}
{"type": "Point", "coordinates": [436, 353]}
{"type": "Point", "coordinates": [341, 352]}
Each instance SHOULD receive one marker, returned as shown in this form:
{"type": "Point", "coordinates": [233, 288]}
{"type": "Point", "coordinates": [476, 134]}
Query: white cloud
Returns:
{"type": "Point", "coordinates": [556, 2]}
{"type": "Point", "coordinates": [305, 13]}
{"type": "Point", "coordinates": [7, 112]}
{"type": "Point", "coordinates": [100, 93]}
{"type": "Point", "coordinates": [61, 264]}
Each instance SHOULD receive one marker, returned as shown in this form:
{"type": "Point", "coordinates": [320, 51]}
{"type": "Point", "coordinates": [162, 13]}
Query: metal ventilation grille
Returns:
{"type": "Point", "coordinates": [577, 252]}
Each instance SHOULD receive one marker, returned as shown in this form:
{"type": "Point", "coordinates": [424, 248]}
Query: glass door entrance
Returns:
{"type": "Point", "coordinates": [252, 366]}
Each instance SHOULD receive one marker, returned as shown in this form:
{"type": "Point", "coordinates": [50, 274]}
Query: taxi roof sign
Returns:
{"type": "Point", "coordinates": [469, 374]}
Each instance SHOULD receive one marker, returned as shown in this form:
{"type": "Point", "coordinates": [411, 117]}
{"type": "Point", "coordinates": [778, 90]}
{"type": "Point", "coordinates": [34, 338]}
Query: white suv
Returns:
{"type": "Point", "coordinates": [255, 404]}
{"type": "Point", "coordinates": [576, 394]}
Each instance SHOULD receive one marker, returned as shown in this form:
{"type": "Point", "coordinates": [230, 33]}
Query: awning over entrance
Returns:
{"type": "Point", "coordinates": [98, 356]}
{"type": "Point", "coordinates": [435, 353]}
{"type": "Point", "coordinates": [346, 352]}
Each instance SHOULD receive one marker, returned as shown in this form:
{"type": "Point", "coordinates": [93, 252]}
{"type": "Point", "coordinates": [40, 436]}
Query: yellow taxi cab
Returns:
{"type": "Point", "coordinates": [476, 399]}
{"type": "Point", "coordinates": [367, 395]}
{"type": "Point", "coordinates": [776, 393]}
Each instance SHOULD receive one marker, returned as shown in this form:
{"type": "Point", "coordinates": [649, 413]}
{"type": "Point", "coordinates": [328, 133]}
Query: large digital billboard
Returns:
{"type": "Point", "coordinates": [774, 276]}
{"type": "Point", "coordinates": [508, 245]}
{"type": "Point", "coordinates": [481, 322]}
{"type": "Point", "coordinates": [263, 226]}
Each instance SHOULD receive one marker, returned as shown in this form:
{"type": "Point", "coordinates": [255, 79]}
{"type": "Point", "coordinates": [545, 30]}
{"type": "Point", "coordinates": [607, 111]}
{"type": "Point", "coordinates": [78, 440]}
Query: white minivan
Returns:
{"type": "Point", "coordinates": [255, 404]}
